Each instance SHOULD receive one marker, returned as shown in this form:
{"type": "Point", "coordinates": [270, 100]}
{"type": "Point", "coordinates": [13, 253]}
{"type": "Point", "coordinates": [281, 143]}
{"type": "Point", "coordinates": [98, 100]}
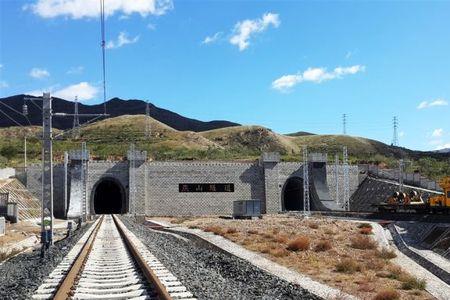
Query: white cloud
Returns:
{"type": "Point", "coordinates": [1, 66]}
{"type": "Point", "coordinates": [83, 90]}
{"type": "Point", "coordinates": [151, 26]}
{"type": "Point", "coordinates": [443, 146]}
{"type": "Point", "coordinates": [3, 84]}
{"type": "Point", "coordinates": [75, 70]}
{"type": "Point", "coordinates": [122, 40]}
{"type": "Point", "coordinates": [243, 30]}
{"type": "Point", "coordinates": [39, 73]}
{"type": "Point", "coordinates": [78, 9]}
{"type": "Point", "coordinates": [212, 38]}
{"type": "Point", "coordinates": [401, 134]}
{"type": "Point", "coordinates": [437, 132]}
{"type": "Point", "coordinates": [316, 75]}
{"type": "Point", "coordinates": [437, 102]}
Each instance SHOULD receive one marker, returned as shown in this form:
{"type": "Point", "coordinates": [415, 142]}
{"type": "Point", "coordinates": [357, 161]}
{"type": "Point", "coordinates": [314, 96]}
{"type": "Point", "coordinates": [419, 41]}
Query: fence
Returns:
{"type": "Point", "coordinates": [414, 179]}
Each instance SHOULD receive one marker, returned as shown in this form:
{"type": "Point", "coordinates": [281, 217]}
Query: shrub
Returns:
{"type": "Point", "coordinates": [9, 151]}
{"type": "Point", "coordinates": [387, 295]}
{"type": "Point", "coordinates": [281, 238]}
{"type": "Point", "coordinates": [267, 235]}
{"type": "Point", "coordinates": [363, 243]}
{"type": "Point", "coordinates": [214, 229]}
{"type": "Point", "coordinates": [395, 272]}
{"type": "Point", "coordinates": [323, 245]}
{"type": "Point", "coordinates": [313, 225]}
{"type": "Point", "coordinates": [252, 231]}
{"type": "Point", "coordinates": [279, 252]}
{"type": "Point", "coordinates": [301, 243]}
{"type": "Point", "coordinates": [413, 283]}
{"type": "Point", "coordinates": [231, 230]}
{"type": "Point", "coordinates": [386, 253]}
{"type": "Point", "coordinates": [365, 230]}
{"type": "Point", "coordinates": [375, 264]}
{"type": "Point", "coordinates": [348, 265]}
{"type": "Point", "coordinates": [365, 225]}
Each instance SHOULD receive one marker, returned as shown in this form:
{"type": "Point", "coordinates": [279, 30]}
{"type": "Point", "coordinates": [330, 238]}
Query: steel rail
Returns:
{"type": "Point", "coordinates": [65, 288]}
{"type": "Point", "coordinates": [151, 277]}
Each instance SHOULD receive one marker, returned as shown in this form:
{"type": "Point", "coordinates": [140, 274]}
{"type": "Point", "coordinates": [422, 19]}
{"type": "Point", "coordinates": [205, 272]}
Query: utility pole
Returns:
{"type": "Point", "coordinates": [346, 196]}
{"type": "Point", "coordinates": [401, 165]}
{"type": "Point", "coordinates": [148, 121]}
{"type": "Point", "coordinates": [344, 124]}
{"type": "Point", "coordinates": [395, 135]}
{"type": "Point", "coordinates": [132, 156]}
{"type": "Point", "coordinates": [47, 169]}
{"type": "Point", "coordinates": [306, 204]}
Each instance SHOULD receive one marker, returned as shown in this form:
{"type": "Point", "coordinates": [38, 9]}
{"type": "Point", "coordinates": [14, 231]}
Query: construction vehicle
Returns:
{"type": "Point", "coordinates": [441, 203]}
{"type": "Point", "coordinates": [414, 202]}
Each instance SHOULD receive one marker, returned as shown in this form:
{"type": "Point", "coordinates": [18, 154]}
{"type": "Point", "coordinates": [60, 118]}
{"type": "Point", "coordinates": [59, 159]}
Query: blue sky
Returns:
{"type": "Point", "coordinates": [286, 65]}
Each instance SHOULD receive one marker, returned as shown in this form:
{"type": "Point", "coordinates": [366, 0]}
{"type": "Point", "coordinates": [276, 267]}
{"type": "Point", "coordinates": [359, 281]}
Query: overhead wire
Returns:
{"type": "Point", "coordinates": [102, 26]}
{"type": "Point", "coordinates": [16, 111]}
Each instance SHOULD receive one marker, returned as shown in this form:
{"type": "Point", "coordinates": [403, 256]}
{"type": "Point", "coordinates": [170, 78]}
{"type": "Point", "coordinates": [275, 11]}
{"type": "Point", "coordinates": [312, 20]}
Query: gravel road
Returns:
{"type": "Point", "coordinates": [209, 272]}
{"type": "Point", "coordinates": [23, 274]}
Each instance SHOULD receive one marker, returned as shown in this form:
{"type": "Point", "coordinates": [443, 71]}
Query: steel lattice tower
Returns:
{"type": "Point", "coordinates": [395, 135]}
{"type": "Point", "coordinates": [76, 119]}
{"type": "Point", "coordinates": [344, 124]}
{"type": "Point", "coordinates": [306, 204]}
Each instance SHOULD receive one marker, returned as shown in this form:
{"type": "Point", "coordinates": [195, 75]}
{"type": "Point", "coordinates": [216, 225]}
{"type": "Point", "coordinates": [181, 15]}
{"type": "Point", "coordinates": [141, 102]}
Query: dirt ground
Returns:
{"type": "Point", "coordinates": [20, 231]}
{"type": "Point", "coordinates": [338, 253]}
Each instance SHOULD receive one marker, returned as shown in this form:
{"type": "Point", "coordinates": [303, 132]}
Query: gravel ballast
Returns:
{"type": "Point", "coordinates": [211, 273]}
{"type": "Point", "coordinates": [23, 274]}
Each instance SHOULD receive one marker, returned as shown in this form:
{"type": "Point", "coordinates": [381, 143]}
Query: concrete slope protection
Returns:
{"type": "Point", "coordinates": [320, 194]}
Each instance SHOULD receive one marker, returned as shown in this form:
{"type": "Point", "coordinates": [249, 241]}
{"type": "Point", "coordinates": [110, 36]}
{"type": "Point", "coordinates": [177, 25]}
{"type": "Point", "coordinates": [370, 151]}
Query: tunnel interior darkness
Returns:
{"type": "Point", "coordinates": [109, 198]}
{"type": "Point", "coordinates": [293, 194]}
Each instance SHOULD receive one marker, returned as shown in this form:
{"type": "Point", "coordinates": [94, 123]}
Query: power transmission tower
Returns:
{"type": "Point", "coordinates": [306, 206]}
{"type": "Point", "coordinates": [76, 120]}
{"type": "Point", "coordinates": [344, 124]}
{"type": "Point", "coordinates": [346, 196]}
{"type": "Point", "coordinates": [336, 174]}
{"type": "Point", "coordinates": [148, 128]}
{"type": "Point", "coordinates": [395, 136]}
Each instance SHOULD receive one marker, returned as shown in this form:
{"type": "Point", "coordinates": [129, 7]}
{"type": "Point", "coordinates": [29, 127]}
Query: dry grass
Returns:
{"type": "Point", "coordinates": [365, 225]}
{"type": "Point", "coordinates": [387, 295]}
{"type": "Point", "coordinates": [300, 243]}
{"type": "Point", "coordinates": [363, 270]}
{"type": "Point", "coordinates": [323, 245]}
{"type": "Point", "coordinates": [363, 243]}
{"type": "Point", "coordinates": [214, 229]}
{"type": "Point", "coordinates": [412, 283]}
{"type": "Point", "coordinates": [365, 230]}
{"type": "Point", "coordinates": [386, 253]}
{"type": "Point", "coordinates": [313, 225]}
{"type": "Point", "coordinates": [231, 230]}
{"type": "Point", "coordinates": [348, 265]}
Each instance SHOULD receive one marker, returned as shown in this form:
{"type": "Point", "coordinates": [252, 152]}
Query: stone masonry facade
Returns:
{"type": "Point", "coordinates": [155, 190]}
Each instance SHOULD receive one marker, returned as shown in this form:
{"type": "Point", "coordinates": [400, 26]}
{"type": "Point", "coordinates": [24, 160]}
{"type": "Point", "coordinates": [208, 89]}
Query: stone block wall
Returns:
{"type": "Point", "coordinates": [331, 179]}
{"type": "Point", "coordinates": [164, 198]}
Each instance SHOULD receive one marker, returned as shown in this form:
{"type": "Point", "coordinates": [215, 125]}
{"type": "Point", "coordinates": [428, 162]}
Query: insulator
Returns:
{"type": "Point", "coordinates": [25, 110]}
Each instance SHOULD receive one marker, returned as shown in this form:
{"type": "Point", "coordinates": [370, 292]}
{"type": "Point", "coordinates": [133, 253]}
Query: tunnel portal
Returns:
{"type": "Point", "coordinates": [109, 197]}
{"type": "Point", "coordinates": [293, 194]}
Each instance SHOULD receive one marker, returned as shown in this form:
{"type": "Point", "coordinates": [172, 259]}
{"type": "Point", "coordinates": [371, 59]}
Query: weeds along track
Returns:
{"type": "Point", "coordinates": [109, 262]}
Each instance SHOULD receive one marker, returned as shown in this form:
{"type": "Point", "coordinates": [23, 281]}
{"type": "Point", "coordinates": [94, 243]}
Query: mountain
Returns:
{"type": "Point", "coordinates": [445, 150]}
{"type": "Point", "coordinates": [114, 107]}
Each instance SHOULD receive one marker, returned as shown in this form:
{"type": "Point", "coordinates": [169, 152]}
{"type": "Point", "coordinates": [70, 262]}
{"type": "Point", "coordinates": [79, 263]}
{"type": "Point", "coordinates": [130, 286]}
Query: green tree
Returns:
{"type": "Point", "coordinates": [8, 151]}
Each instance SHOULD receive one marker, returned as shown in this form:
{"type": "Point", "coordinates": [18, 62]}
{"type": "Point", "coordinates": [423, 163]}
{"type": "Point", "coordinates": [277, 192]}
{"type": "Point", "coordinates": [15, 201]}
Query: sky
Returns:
{"type": "Point", "coordinates": [286, 65]}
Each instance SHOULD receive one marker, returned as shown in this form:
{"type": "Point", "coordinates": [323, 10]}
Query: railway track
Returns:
{"type": "Point", "coordinates": [109, 262]}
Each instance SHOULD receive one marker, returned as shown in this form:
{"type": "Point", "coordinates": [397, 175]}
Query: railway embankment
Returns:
{"type": "Point", "coordinates": [211, 273]}
{"type": "Point", "coordinates": [21, 275]}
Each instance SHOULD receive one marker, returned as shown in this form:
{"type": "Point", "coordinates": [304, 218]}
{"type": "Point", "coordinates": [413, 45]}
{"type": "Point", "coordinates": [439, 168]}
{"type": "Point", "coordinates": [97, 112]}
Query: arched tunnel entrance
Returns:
{"type": "Point", "coordinates": [109, 197]}
{"type": "Point", "coordinates": [293, 194]}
